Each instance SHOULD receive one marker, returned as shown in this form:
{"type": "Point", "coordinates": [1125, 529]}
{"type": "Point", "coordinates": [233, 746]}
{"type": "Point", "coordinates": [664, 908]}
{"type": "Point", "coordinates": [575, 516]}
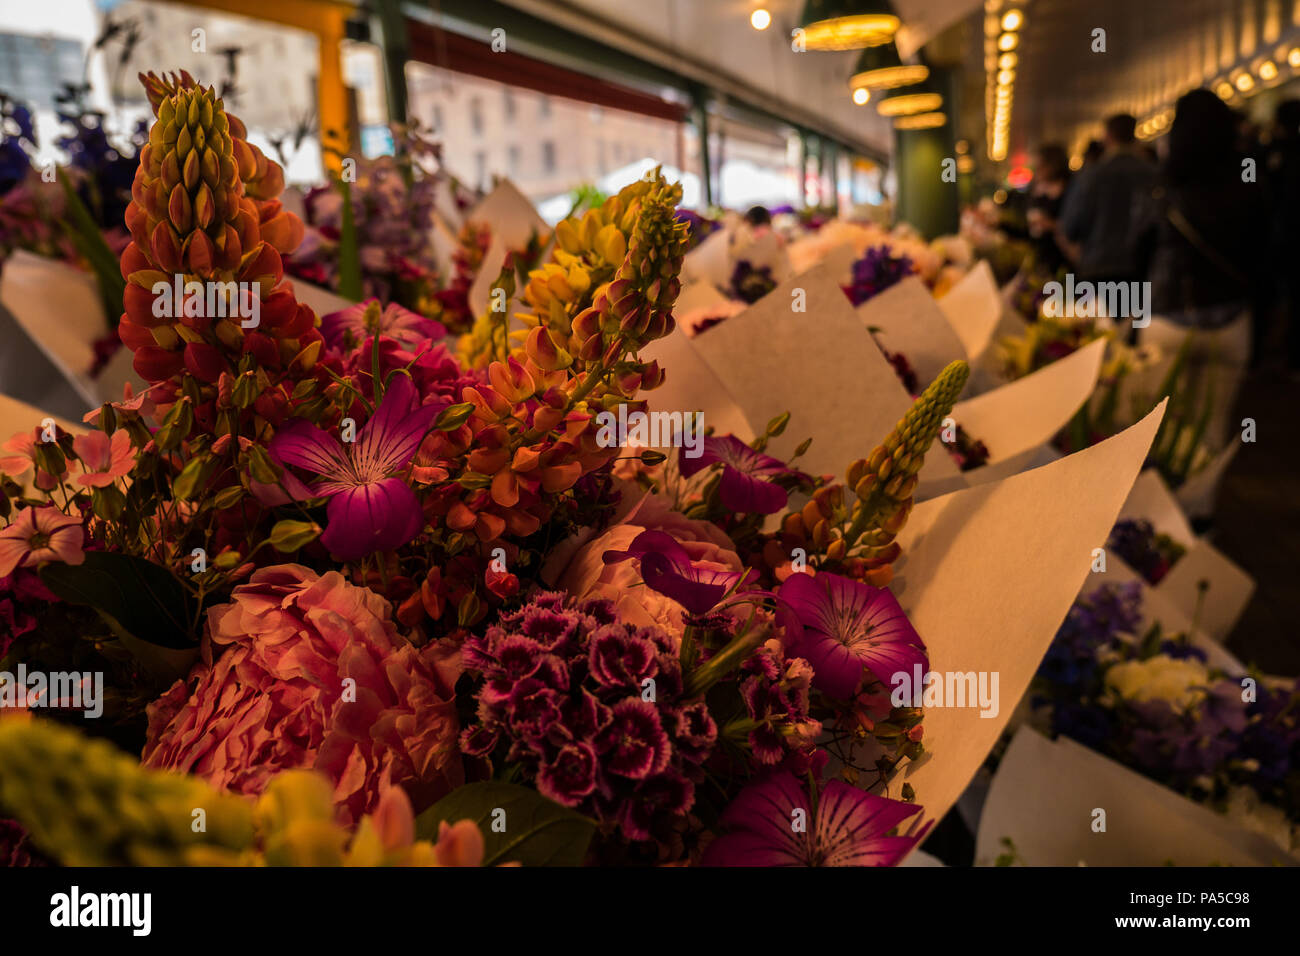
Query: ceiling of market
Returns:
{"type": "Point", "coordinates": [713, 41]}
{"type": "Point", "coordinates": [1154, 50]}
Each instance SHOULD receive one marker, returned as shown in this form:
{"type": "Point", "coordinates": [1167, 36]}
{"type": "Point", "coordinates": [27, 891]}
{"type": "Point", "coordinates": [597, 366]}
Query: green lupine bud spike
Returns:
{"type": "Point", "coordinates": [88, 804]}
{"type": "Point", "coordinates": [888, 495]}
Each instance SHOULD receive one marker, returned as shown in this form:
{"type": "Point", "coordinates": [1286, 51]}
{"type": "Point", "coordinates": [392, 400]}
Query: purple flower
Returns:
{"type": "Point", "coordinates": [570, 776]}
{"type": "Point", "coordinates": [667, 568]}
{"type": "Point", "coordinates": [532, 708]}
{"type": "Point", "coordinates": [349, 328]}
{"type": "Point", "coordinates": [621, 659]}
{"type": "Point", "coordinates": [841, 626]}
{"type": "Point", "coordinates": [875, 272]}
{"type": "Point", "coordinates": [749, 283]}
{"type": "Point", "coordinates": [746, 486]}
{"type": "Point", "coordinates": [576, 726]}
{"type": "Point", "coordinates": [846, 827]}
{"type": "Point", "coordinates": [370, 509]}
{"type": "Point", "coordinates": [634, 744]}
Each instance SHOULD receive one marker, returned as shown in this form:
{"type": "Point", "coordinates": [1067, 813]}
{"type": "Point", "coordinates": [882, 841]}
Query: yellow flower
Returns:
{"type": "Point", "coordinates": [1179, 681]}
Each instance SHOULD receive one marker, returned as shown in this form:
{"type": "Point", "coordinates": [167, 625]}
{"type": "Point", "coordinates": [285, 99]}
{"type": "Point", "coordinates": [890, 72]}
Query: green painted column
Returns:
{"type": "Point", "coordinates": [396, 47]}
{"type": "Point", "coordinates": [924, 199]}
{"type": "Point", "coordinates": [700, 116]}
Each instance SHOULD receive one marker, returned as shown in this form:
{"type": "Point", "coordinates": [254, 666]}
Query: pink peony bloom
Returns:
{"type": "Point", "coordinates": [302, 670]}
{"type": "Point", "coordinates": [103, 459]}
{"type": "Point", "coordinates": [40, 534]}
{"type": "Point", "coordinates": [578, 566]}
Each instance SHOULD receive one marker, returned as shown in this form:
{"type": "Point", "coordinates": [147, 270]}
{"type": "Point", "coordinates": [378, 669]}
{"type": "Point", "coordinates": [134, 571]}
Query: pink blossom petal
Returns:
{"type": "Point", "coordinates": [376, 517]}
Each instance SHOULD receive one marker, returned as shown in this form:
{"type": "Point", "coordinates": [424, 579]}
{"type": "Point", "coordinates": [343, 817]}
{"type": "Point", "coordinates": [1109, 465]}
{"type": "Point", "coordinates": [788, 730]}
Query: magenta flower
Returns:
{"type": "Point", "coordinates": [845, 827]}
{"type": "Point", "coordinates": [667, 568]}
{"type": "Point", "coordinates": [370, 508]}
{"type": "Point", "coordinates": [746, 486]}
{"type": "Point", "coordinates": [352, 326]}
{"type": "Point", "coordinates": [841, 626]}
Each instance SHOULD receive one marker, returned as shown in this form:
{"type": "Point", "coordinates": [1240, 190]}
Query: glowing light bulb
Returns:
{"type": "Point", "coordinates": [861, 95]}
{"type": "Point", "coordinates": [1012, 20]}
{"type": "Point", "coordinates": [760, 19]}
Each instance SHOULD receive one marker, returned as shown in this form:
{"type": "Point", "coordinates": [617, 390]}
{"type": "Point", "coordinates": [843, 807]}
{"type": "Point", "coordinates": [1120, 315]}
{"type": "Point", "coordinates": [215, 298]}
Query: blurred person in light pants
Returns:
{"type": "Point", "coordinates": [1203, 236]}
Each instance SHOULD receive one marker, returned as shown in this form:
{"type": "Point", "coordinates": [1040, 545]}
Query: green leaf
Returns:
{"type": "Point", "coordinates": [289, 536]}
{"type": "Point", "coordinates": [89, 242]}
{"type": "Point", "coordinates": [349, 251]}
{"type": "Point", "coordinates": [538, 831]}
{"type": "Point", "coordinates": [193, 476]}
{"type": "Point", "coordinates": [144, 598]}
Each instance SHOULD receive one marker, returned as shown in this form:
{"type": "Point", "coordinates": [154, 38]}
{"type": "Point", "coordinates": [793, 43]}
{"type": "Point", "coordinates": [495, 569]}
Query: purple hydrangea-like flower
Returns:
{"type": "Point", "coordinates": [775, 823]}
{"type": "Point", "coordinates": [749, 283]}
{"type": "Point", "coordinates": [746, 486]}
{"type": "Point", "coordinates": [875, 272]}
{"type": "Point", "coordinates": [370, 508]}
{"type": "Point", "coordinates": [1146, 551]}
{"type": "Point", "coordinates": [842, 627]}
{"type": "Point", "coordinates": [667, 568]}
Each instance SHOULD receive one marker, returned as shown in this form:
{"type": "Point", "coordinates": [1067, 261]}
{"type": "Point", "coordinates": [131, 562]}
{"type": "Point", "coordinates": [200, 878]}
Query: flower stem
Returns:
{"type": "Point", "coordinates": [725, 661]}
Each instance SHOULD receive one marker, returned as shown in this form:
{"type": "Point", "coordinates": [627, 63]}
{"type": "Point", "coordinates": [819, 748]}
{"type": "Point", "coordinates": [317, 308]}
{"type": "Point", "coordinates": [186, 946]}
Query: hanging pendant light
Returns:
{"type": "Point", "coordinates": [921, 121]}
{"type": "Point", "coordinates": [910, 104]}
{"type": "Point", "coordinates": [880, 68]}
{"type": "Point", "coordinates": [847, 24]}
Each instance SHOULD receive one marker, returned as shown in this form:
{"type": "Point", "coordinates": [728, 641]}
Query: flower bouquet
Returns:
{"type": "Point", "coordinates": [363, 594]}
{"type": "Point", "coordinates": [1149, 699]}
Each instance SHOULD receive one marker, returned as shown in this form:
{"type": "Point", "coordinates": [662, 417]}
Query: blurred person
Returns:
{"type": "Point", "coordinates": [758, 216]}
{"type": "Point", "coordinates": [1282, 168]}
{"type": "Point", "coordinates": [1046, 199]}
{"type": "Point", "coordinates": [1099, 209]}
{"type": "Point", "coordinates": [1204, 240]}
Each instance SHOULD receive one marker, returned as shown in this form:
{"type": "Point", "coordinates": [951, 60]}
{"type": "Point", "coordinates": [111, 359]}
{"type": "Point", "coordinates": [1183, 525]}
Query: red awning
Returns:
{"type": "Point", "coordinates": [452, 51]}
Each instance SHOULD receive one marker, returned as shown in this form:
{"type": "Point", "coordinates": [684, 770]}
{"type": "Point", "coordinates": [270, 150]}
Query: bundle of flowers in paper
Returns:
{"type": "Point", "coordinates": [1129, 677]}
{"type": "Point", "coordinates": [60, 312]}
{"type": "Point", "coordinates": [1057, 803]}
{"type": "Point", "coordinates": [1154, 541]}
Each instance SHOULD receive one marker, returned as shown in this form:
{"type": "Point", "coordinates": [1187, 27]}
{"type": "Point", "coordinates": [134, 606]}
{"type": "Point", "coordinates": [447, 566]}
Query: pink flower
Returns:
{"type": "Point", "coordinates": [843, 826]}
{"type": "Point", "coordinates": [578, 566]}
{"type": "Point", "coordinates": [846, 628]}
{"type": "Point", "coordinates": [103, 459]}
{"type": "Point", "coordinates": [19, 457]}
{"type": "Point", "coordinates": [311, 673]}
{"type": "Point", "coordinates": [131, 402]}
{"type": "Point", "coordinates": [38, 535]}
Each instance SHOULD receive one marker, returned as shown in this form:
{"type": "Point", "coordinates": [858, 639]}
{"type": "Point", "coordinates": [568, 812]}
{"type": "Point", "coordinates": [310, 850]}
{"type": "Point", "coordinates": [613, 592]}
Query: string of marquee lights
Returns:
{"type": "Point", "coordinates": [1003, 22]}
{"type": "Point", "coordinates": [1276, 63]}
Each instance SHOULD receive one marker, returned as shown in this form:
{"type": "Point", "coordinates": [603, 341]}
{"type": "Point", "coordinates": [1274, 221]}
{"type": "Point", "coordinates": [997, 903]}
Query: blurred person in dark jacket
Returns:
{"type": "Point", "coordinates": [1283, 172]}
{"type": "Point", "coordinates": [1204, 239]}
{"type": "Point", "coordinates": [1046, 200]}
{"type": "Point", "coordinates": [1206, 227]}
{"type": "Point", "coordinates": [1102, 205]}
